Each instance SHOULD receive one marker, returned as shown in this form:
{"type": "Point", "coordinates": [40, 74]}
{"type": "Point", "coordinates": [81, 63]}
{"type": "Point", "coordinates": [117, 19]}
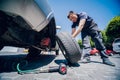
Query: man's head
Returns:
{"type": "Point", "coordinates": [72, 16]}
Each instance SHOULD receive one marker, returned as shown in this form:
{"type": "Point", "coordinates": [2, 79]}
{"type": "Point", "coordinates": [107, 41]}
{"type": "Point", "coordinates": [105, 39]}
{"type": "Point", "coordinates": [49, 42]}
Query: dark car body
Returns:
{"type": "Point", "coordinates": [26, 23]}
{"type": "Point", "coordinates": [31, 24]}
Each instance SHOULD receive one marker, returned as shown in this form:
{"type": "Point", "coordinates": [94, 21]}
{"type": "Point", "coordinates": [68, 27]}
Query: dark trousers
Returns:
{"type": "Point", "coordinates": [96, 36]}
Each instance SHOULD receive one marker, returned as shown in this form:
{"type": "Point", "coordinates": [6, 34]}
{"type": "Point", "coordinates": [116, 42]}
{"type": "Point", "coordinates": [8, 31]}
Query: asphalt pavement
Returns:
{"type": "Point", "coordinates": [81, 71]}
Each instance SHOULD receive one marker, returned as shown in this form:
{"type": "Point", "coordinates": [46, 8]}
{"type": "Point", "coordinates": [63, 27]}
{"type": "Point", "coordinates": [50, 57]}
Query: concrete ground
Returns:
{"type": "Point", "coordinates": [81, 71]}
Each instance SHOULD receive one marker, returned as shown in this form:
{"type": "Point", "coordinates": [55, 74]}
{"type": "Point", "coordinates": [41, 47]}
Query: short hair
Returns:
{"type": "Point", "coordinates": [70, 12]}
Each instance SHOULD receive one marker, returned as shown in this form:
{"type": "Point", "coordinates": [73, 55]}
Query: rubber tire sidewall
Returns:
{"type": "Point", "coordinates": [70, 46]}
{"type": "Point", "coordinates": [1, 47]}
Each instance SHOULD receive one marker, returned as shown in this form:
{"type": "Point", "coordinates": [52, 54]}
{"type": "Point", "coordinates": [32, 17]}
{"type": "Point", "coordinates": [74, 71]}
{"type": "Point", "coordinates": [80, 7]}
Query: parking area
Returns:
{"type": "Point", "coordinates": [81, 71]}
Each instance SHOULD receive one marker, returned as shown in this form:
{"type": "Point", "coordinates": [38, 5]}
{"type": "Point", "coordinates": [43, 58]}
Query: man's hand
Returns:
{"type": "Point", "coordinates": [73, 36]}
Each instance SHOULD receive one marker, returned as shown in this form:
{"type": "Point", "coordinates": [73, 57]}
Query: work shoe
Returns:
{"type": "Point", "coordinates": [108, 62]}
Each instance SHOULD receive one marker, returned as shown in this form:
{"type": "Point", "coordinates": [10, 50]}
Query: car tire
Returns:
{"type": "Point", "coordinates": [69, 47]}
{"type": "Point", "coordinates": [1, 47]}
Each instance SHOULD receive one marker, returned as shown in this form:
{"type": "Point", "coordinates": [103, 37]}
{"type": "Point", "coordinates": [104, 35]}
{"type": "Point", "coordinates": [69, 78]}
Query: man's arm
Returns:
{"type": "Point", "coordinates": [80, 27]}
{"type": "Point", "coordinates": [73, 30]}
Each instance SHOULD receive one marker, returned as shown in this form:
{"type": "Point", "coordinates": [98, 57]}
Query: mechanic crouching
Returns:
{"type": "Point", "coordinates": [88, 28]}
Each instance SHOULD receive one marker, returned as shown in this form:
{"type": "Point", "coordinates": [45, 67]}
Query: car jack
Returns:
{"type": "Point", "coordinates": [62, 69]}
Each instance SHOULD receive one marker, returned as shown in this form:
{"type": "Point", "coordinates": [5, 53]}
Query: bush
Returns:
{"type": "Point", "coordinates": [113, 30]}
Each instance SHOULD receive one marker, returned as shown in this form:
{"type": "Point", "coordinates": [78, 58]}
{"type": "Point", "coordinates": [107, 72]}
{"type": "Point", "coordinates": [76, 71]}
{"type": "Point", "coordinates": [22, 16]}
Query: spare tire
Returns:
{"type": "Point", "coordinates": [69, 47]}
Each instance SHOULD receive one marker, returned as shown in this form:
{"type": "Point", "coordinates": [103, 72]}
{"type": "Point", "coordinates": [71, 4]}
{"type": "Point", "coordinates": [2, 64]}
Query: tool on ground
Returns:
{"type": "Point", "coordinates": [62, 69]}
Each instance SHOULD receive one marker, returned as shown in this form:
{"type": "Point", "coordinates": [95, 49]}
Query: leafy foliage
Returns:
{"type": "Point", "coordinates": [104, 36]}
{"type": "Point", "coordinates": [113, 29]}
{"type": "Point", "coordinates": [80, 43]}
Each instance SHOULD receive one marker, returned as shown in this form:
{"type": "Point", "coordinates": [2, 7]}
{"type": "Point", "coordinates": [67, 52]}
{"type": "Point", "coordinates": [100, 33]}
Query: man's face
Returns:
{"type": "Point", "coordinates": [73, 17]}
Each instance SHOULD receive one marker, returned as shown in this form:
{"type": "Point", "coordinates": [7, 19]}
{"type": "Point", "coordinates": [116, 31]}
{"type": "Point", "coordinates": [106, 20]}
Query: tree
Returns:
{"type": "Point", "coordinates": [113, 29]}
{"type": "Point", "coordinates": [104, 37]}
{"type": "Point", "coordinates": [80, 43]}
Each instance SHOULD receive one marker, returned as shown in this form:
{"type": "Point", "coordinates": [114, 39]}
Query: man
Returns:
{"type": "Point", "coordinates": [88, 27]}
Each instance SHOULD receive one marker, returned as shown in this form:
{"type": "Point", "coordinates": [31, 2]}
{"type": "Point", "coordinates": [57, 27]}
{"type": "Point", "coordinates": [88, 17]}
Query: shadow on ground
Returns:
{"type": "Point", "coordinates": [58, 61]}
{"type": "Point", "coordinates": [8, 63]}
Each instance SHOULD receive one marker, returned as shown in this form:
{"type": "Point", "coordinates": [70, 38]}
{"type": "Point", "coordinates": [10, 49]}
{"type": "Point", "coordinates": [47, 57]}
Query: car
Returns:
{"type": "Point", "coordinates": [31, 24]}
{"type": "Point", "coordinates": [116, 45]}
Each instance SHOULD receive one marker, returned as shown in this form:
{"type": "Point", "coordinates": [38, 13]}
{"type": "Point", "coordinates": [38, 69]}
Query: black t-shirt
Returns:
{"type": "Point", "coordinates": [83, 15]}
